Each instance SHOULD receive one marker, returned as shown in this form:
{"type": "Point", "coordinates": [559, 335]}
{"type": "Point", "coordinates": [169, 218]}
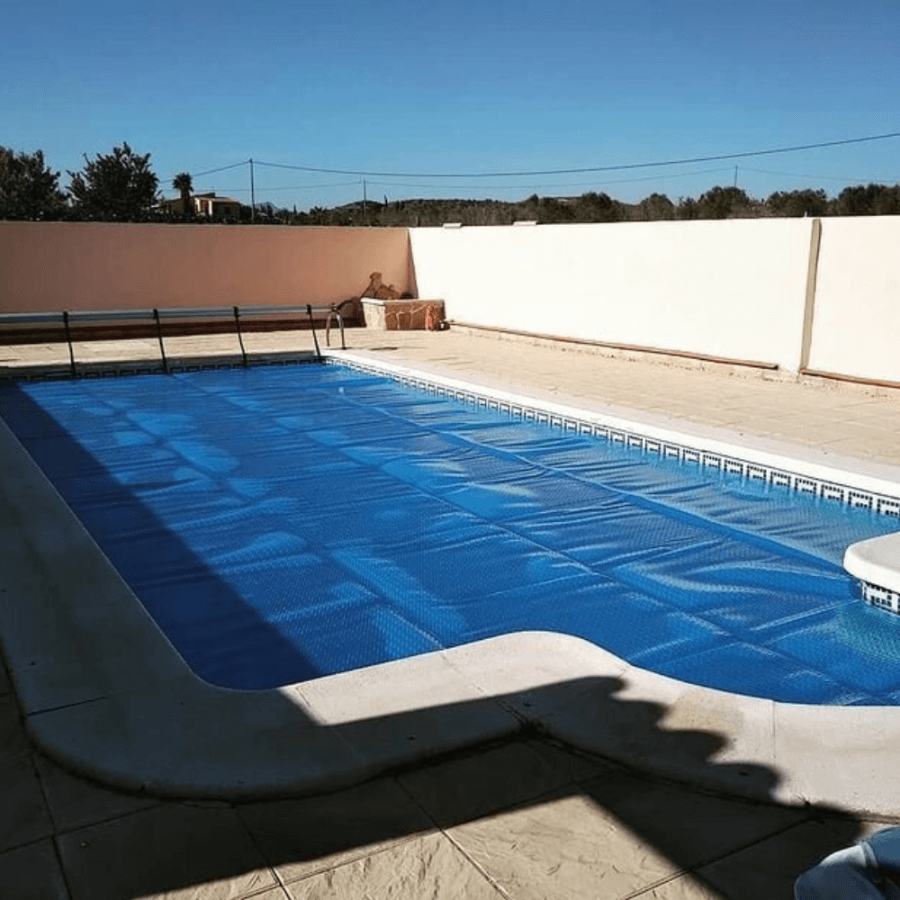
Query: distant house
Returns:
{"type": "Point", "coordinates": [207, 206]}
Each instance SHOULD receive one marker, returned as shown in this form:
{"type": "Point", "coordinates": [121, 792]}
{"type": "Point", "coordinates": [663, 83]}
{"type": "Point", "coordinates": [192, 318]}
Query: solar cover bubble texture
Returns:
{"type": "Point", "coordinates": [284, 523]}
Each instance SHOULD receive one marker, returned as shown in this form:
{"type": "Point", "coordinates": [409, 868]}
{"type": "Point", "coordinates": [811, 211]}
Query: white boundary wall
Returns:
{"type": "Point", "coordinates": [733, 289]}
{"type": "Point", "coordinates": [856, 321]}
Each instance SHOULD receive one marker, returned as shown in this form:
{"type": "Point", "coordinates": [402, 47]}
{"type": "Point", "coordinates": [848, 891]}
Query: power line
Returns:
{"type": "Point", "coordinates": [220, 169]}
{"type": "Point", "coordinates": [308, 187]}
{"type": "Point", "coordinates": [564, 184]}
{"type": "Point", "coordinates": [646, 165]}
{"type": "Point", "coordinates": [843, 180]}
{"type": "Point", "coordinates": [534, 173]}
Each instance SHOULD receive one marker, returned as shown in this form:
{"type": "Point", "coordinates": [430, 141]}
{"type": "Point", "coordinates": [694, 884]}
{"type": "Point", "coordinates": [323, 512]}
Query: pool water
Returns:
{"type": "Point", "coordinates": [284, 523]}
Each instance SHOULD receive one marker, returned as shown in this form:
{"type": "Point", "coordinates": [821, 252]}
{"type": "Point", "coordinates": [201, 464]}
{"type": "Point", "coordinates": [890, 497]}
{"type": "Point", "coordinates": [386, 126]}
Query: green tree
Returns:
{"type": "Point", "coordinates": [118, 187]}
{"type": "Point", "coordinates": [656, 207]}
{"type": "Point", "coordinates": [594, 207]}
{"type": "Point", "coordinates": [888, 202]}
{"type": "Point", "coordinates": [28, 189]}
{"type": "Point", "coordinates": [552, 210]}
{"type": "Point", "coordinates": [868, 200]}
{"type": "Point", "coordinates": [723, 203]}
{"type": "Point", "coordinates": [184, 184]}
{"type": "Point", "coordinates": [687, 208]}
{"type": "Point", "coordinates": [798, 203]}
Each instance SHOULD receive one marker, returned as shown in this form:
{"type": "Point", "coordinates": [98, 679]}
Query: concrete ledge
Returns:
{"type": "Point", "coordinates": [105, 693]}
{"type": "Point", "coordinates": [876, 561]}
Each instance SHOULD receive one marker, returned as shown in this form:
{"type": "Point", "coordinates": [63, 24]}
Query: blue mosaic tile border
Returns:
{"type": "Point", "coordinates": [880, 597]}
{"type": "Point", "coordinates": [803, 484]}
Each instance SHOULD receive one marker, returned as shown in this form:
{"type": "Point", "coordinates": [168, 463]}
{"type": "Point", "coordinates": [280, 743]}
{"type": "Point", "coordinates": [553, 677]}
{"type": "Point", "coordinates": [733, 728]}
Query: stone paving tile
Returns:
{"type": "Point", "coordinates": [686, 826]}
{"type": "Point", "coordinates": [309, 835]}
{"type": "Point", "coordinates": [275, 893]}
{"type": "Point", "coordinates": [770, 867]}
{"type": "Point", "coordinates": [174, 852]}
{"type": "Point", "coordinates": [13, 740]}
{"type": "Point", "coordinates": [75, 802]}
{"type": "Point", "coordinates": [844, 446]}
{"type": "Point", "coordinates": [474, 785]}
{"type": "Point", "coordinates": [811, 421]}
{"type": "Point", "coordinates": [685, 887]}
{"type": "Point", "coordinates": [23, 811]}
{"type": "Point", "coordinates": [869, 431]}
{"type": "Point", "coordinates": [846, 430]}
{"type": "Point", "coordinates": [722, 418]}
{"type": "Point", "coordinates": [32, 873]}
{"type": "Point", "coordinates": [878, 418]}
{"type": "Point", "coordinates": [429, 866]}
{"type": "Point", "coordinates": [753, 424]}
{"type": "Point", "coordinates": [562, 848]}
{"type": "Point", "coordinates": [575, 765]}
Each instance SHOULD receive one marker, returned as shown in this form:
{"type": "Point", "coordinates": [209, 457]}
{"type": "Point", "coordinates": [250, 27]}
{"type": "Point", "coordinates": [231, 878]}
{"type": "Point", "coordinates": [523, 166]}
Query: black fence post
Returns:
{"type": "Point", "coordinates": [159, 334]}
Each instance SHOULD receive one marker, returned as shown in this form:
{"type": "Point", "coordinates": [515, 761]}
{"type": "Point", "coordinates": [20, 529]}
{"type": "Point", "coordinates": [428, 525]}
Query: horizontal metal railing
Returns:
{"type": "Point", "coordinates": [67, 319]}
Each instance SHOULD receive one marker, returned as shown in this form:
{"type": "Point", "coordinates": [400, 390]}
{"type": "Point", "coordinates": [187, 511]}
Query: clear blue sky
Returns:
{"type": "Point", "coordinates": [457, 87]}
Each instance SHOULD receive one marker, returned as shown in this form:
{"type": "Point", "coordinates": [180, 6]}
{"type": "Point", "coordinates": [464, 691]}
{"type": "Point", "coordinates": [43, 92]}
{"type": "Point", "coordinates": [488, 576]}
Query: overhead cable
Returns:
{"type": "Point", "coordinates": [645, 165]}
{"type": "Point", "coordinates": [220, 169]}
{"type": "Point", "coordinates": [564, 184]}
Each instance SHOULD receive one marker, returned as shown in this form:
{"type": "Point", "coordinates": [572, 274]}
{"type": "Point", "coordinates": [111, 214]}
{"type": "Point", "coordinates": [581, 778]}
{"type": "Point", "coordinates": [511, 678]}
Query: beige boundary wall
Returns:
{"type": "Point", "coordinates": [54, 266]}
{"type": "Point", "coordinates": [734, 289]}
{"type": "Point", "coordinates": [856, 319]}
{"type": "Point", "coordinates": [799, 294]}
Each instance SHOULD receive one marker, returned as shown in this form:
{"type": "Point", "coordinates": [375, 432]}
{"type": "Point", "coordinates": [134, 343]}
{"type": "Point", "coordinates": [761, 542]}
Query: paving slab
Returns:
{"type": "Point", "coordinates": [683, 887]}
{"type": "Point", "coordinates": [304, 837]}
{"type": "Point", "coordinates": [75, 802]}
{"type": "Point", "coordinates": [176, 852]}
{"type": "Point", "coordinates": [23, 811]}
{"type": "Point", "coordinates": [32, 872]}
{"type": "Point", "coordinates": [770, 867]}
{"type": "Point", "coordinates": [477, 784]}
{"type": "Point", "coordinates": [562, 848]}
{"type": "Point", "coordinates": [13, 742]}
{"type": "Point", "coordinates": [690, 827]}
{"type": "Point", "coordinates": [430, 866]}
{"type": "Point", "coordinates": [575, 765]}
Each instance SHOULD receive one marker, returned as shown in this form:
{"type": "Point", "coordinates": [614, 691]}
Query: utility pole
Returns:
{"type": "Point", "coordinates": [365, 208]}
{"type": "Point", "coordinates": [252, 194]}
{"type": "Point", "coordinates": [735, 176]}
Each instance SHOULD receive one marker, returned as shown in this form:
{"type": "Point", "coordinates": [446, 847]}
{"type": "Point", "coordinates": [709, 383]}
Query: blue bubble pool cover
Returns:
{"type": "Point", "coordinates": [283, 523]}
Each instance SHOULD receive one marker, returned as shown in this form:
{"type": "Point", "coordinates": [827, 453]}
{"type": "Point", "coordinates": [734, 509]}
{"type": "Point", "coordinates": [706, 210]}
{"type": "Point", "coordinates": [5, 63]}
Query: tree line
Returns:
{"type": "Point", "coordinates": [716, 203]}
{"type": "Point", "coordinates": [121, 187]}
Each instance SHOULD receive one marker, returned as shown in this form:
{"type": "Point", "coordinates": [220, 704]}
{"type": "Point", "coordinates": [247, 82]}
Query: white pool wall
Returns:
{"type": "Point", "coordinates": [857, 298]}
{"type": "Point", "coordinates": [731, 289]}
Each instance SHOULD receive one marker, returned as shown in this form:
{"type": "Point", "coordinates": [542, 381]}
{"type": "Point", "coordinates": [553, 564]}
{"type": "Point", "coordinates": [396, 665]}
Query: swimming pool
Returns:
{"type": "Point", "coordinates": [285, 523]}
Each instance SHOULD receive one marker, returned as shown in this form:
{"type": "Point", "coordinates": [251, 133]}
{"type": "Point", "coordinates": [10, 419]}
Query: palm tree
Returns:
{"type": "Point", "coordinates": [184, 185]}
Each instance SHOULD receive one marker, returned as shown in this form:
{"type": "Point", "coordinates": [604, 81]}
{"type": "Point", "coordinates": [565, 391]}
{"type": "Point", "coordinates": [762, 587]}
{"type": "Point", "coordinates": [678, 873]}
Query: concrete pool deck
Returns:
{"type": "Point", "coordinates": [89, 699]}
